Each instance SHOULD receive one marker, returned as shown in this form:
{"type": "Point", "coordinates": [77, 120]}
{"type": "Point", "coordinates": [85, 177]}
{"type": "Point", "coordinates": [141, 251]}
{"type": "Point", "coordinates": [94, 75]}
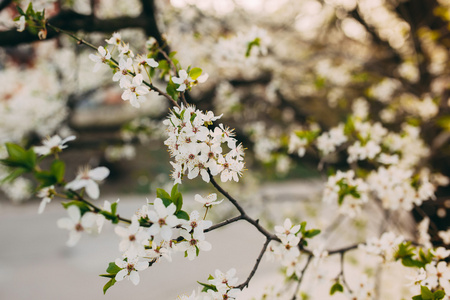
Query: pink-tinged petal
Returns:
{"type": "Point", "coordinates": [134, 277]}
{"type": "Point", "coordinates": [121, 275]}
{"type": "Point", "coordinates": [99, 173]}
{"type": "Point", "coordinates": [140, 266]}
{"type": "Point", "coordinates": [92, 189]}
{"type": "Point", "coordinates": [166, 233]}
{"type": "Point", "coordinates": [74, 213]}
{"type": "Point", "coordinates": [65, 223]}
{"type": "Point", "coordinates": [74, 237]}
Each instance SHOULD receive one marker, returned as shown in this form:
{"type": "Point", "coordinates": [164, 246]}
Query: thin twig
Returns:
{"type": "Point", "coordinates": [294, 297]}
{"type": "Point", "coordinates": [81, 41]}
{"type": "Point", "coordinates": [255, 267]}
{"type": "Point", "coordinates": [226, 222]}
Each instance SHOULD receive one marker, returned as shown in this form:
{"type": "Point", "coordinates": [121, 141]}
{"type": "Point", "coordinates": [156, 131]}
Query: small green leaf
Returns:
{"type": "Point", "coordinates": [109, 284]}
{"type": "Point", "coordinates": [113, 268]}
{"type": "Point", "coordinates": [172, 90]}
{"type": "Point", "coordinates": [438, 295]}
{"type": "Point", "coordinates": [81, 205]}
{"type": "Point", "coordinates": [195, 73]}
{"type": "Point", "coordinates": [164, 196]}
{"type": "Point", "coordinates": [58, 169]}
{"type": "Point", "coordinates": [13, 175]}
{"type": "Point", "coordinates": [207, 287]}
{"type": "Point", "coordinates": [417, 297]}
{"type": "Point", "coordinates": [311, 233]}
{"type": "Point", "coordinates": [182, 215]}
{"type": "Point", "coordinates": [426, 293]}
{"type": "Point", "coordinates": [178, 201]}
{"type": "Point", "coordinates": [337, 287]}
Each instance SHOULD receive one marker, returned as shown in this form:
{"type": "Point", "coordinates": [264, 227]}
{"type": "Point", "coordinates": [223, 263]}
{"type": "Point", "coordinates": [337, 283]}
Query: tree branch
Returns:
{"type": "Point", "coordinates": [255, 267]}
{"type": "Point", "coordinates": [73, 21]}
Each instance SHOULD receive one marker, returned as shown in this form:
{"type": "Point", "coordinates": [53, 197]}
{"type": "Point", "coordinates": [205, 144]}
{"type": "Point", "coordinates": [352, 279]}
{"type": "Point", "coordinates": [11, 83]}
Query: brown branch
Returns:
{"type": "Point", "coordinates": [221, 224]}
{"type": "Point", "coordinates": [73, 21]}
{"type": "Point", "coordinates": [301, 277]}
{"type": "Point", "coordinates": [255, 267]}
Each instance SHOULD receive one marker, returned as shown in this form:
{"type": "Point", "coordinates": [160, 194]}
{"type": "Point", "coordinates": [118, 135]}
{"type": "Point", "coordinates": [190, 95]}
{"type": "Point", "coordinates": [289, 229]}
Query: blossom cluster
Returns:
{"type": "Point", "coordinates": [197, 149]}
{"type": "Point", "coordinates": [128, 70]}
{"type": "Point", "coordinates": [348, 191]}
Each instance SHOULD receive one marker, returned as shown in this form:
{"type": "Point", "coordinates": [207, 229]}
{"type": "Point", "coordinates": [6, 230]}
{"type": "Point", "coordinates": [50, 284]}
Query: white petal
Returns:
{"type": "Point", "coordinates": [134, 277]}
{"type": "Point", "coordinates": [88, 220]}
{"type": "Point", "coordinates": [99, 173]}
{"type": "Point", "coordinates": [92, 189]}
{"type": "Point", "coordinates": [74, 237]}
{"type": "Point", "coordinates": [140, 266]}
{"type": "Point", "coordinates": [43, 204]}
{"type": "Point", "coordinates": [76, 184]}
{"type": "Point", "coordinates": [121, 275]}
{"type": "Point", "coordinates": [74, 213]}
{"type": "Point", "coordinates": [166, 233]}
{"type": "Point", "coordinates": [65, 223]}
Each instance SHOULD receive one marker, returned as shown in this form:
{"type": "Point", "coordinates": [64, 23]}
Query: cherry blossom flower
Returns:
{"type": "Point", "coordinates": [134, 90]}
{"type": "Point", "coordinates": [133, 239]}
{"type": "Point", "coordinates": [52, 145]}
{"type": "Point", "coordinates": [163, 219]}
{"type": "Point", "coordinates": [208, 201]}
{"type": "Point", "coordinates": [124, 67]}
{"type": "Point", "coordinates": [102, 57]}
{"type": "Point", "coordinates": [115, 39]}
{"type": "Point", "coordinates": [193, 242]}
{"type": "Point", "coordinates": [130, 270]}
{"type": "Point", "coordinates": [184, 80]}
{"type": "Point", "coordinates": [47, 194]}
{"type": "Point", "coordinates": [77, 224]}
{"type": "Point", "coordinates": [89, 179]}
{"type": "Point", "coordinates": [286, 229]}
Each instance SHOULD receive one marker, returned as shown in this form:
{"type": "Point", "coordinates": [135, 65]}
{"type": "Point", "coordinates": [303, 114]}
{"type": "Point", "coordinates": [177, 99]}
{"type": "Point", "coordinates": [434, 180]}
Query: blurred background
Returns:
{"type": "Point", "coordinates": [275, 66]}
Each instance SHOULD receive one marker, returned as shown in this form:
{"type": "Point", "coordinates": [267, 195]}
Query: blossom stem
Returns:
{"type": "Point", "coordinates": [299, 283]}
{"type": "Point", "coordinates": [255, 267]}
{"type": "Point", "coordinates": [81, 41]}
{"type": "Point", "coordinates": [164, 53]}
{"type": "Point", "coordinates": [221, 224]}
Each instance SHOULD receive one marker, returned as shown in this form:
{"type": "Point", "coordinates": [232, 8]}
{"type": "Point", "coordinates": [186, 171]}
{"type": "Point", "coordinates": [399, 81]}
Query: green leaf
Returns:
{"type": "Point", "coordinates": [174, 191]}
{"type": "Point", "coordinates": [311, 233]}
{"type": "Point", "coordinates": [46, 178]}
{"type": "Point", "coordinates": [81, 205]}
{"type": "Point", "coordinates": [108, 285]}
{"type": "Point", "coordinates": [164, 196]}
{"type": "Point", "coordinates": [195, 73]}
{"type": "Point", "coordinates": [58, 169]}
{"type": "Point", "coordinates": [337, 287]}
{"type": "Point", "coordinates": [182, 215]}
{"type": "Point", "coordinates": [30, 10]}
{"type": "Point", "coordinates": [438, 295]}
{"type": "Point", "coordinates": [20, 10]}
{"type": "Point", "coordinates": [426, 293]}
{"type": "Point", "coordinates": [172, 90]}
{"type": "Point", "coordinates": [114, 208]}
{"type": "Point", "coordinates": [417, 297]}
{"type": "Point", "coordinates": [13, 175]}
{"type": "Point", "coordinates": [113, 268]}
{"type": "Point", "coordinates": [207, 287]}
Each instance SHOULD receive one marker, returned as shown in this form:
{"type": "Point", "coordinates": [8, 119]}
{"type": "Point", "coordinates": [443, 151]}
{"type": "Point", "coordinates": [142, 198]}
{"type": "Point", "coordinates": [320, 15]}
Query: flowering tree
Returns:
{"type": "Point", "coordinates": [387, 62]}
